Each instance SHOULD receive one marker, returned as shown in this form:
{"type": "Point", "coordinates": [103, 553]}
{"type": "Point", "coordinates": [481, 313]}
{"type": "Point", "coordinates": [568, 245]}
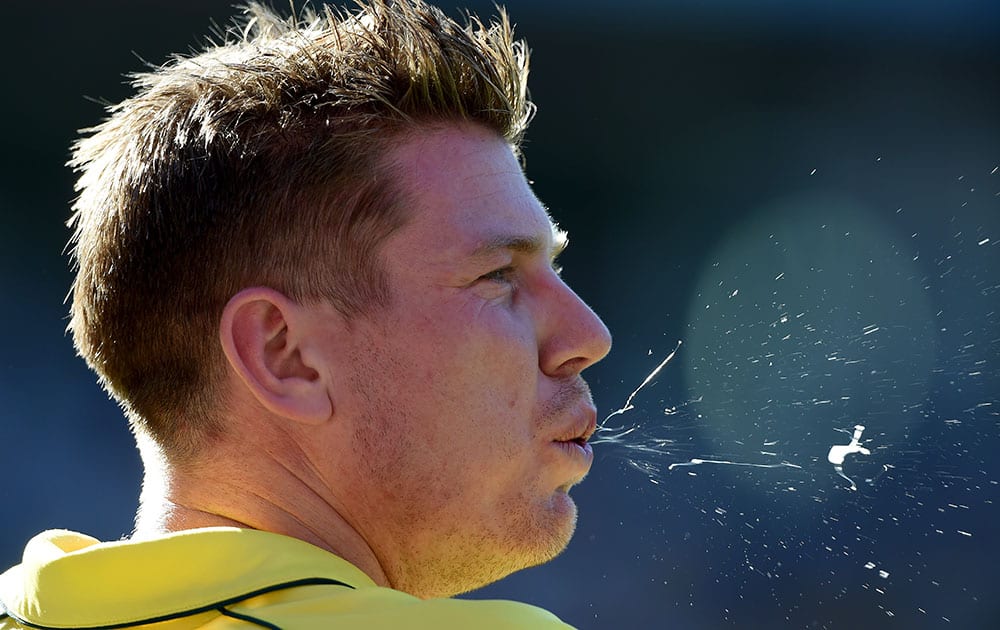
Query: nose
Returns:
{"type": "Point", "coordinates": [572, 337]}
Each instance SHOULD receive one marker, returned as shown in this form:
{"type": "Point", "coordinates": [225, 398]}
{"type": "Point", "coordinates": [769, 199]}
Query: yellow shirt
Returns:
{"type": "Point", "coordinates": [223, 578]}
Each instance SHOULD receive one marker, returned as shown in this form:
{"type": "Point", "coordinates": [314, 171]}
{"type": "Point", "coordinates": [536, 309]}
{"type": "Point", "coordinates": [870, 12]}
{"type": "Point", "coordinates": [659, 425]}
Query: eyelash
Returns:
{"type": "Point", "coordinates": [504, 274]}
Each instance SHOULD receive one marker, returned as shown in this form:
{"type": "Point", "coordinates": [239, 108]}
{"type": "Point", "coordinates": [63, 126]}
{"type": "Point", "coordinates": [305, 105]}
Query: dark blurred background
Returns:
{"type": "Point", "coordinates": [806, 194]}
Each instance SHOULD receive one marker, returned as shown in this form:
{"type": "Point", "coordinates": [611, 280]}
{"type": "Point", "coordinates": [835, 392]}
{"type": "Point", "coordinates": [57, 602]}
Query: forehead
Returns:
{"type": "Point", "coordinates": [465, 190]}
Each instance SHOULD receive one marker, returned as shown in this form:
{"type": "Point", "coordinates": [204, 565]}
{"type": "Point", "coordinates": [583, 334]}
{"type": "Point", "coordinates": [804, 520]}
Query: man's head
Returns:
{"type": "Point", "coordinates": [358, 288]}
{"type": "Point", "coordinates": [262, 161]}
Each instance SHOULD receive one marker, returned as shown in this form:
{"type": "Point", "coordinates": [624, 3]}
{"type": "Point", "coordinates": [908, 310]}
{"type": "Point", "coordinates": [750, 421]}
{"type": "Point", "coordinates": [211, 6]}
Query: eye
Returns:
{"type": "Point", "coordinates": [501, 275]}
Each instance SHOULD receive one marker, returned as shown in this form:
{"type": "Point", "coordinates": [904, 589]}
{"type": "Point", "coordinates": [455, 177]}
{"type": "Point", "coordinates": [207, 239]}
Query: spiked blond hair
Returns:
{"type": "Point", "coordinates": [262, 161]}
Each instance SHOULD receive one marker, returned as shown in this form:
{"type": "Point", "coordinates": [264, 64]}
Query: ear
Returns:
{"type": "Point", "coordinates": [264, 338]}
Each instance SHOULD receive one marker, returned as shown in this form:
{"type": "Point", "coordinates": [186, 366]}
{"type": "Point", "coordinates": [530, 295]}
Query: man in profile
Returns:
{"type": "Point", "coordinates": [310, 269]}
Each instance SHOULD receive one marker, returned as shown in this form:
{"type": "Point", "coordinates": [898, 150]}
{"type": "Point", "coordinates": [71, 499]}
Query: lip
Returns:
{"type": "Point", "coordinates": [573, 442]}
{"type": "Point", "coordinates": [583, 427]}
{"type": "Point", "coordinates": [578, 449]}
{"type": "Point", "coordinates": [578, 456]}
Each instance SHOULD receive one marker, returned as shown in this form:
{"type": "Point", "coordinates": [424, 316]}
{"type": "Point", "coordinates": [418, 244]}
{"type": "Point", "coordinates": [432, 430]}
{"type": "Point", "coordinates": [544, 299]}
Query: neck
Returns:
{"type": "Point", "coordinates": [269, 496]}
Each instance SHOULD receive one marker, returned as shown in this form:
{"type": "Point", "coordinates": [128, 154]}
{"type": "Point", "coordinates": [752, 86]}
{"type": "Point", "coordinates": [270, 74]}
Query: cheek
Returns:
{"type": "Point", "coordinates": [510, 325]}
{"type": "Point", "coordinates": [487, 337]}
{"type": "Point", "coordinates": [503, 338]}
{"type": "Point", "coordinates": [461, 367]}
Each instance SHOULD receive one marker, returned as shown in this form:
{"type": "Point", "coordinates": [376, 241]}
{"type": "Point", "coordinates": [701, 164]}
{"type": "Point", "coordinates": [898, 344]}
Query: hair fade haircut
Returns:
{"type": "Point", "coordinates": [262, 161]}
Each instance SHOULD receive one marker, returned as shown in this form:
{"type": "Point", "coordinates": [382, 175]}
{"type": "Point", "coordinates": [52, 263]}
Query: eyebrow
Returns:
{"type": "Point", "coordinates": [521, 244]}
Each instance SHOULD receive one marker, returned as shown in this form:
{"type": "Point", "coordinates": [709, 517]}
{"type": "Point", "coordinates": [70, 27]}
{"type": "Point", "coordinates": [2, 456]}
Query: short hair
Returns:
{"type": "Point", "coordinates": [262, 161]}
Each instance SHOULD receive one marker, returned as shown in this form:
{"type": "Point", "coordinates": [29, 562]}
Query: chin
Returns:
{"type": "Point", "coordinates": [465, 561]}
{"type": "Point", "coordinates": [552, 531]}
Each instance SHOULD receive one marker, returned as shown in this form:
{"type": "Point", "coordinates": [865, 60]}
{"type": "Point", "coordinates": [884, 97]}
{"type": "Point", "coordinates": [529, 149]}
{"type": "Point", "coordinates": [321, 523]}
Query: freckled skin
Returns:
{"type": "Point", "coordinates": [461, 387]}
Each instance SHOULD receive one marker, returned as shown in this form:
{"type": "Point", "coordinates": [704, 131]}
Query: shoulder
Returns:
{"type": "Point", "coordinates": [486, 615]}
{"type": "Point", "coordinates": [382, 608]}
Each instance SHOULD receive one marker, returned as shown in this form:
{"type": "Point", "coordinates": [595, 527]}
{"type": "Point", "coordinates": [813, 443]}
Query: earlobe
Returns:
{"type": "Point", "coordinates": [262, 336]}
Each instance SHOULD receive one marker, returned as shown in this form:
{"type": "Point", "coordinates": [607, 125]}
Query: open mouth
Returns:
{"type": "Point", "coordinates": [580, 440]}
{"type": "Point", "coordinates": [575, 439]}
{"type": "Point", "coordinates": [577, 443]}
{"type": "Point", "coordinates": [578, 455]}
